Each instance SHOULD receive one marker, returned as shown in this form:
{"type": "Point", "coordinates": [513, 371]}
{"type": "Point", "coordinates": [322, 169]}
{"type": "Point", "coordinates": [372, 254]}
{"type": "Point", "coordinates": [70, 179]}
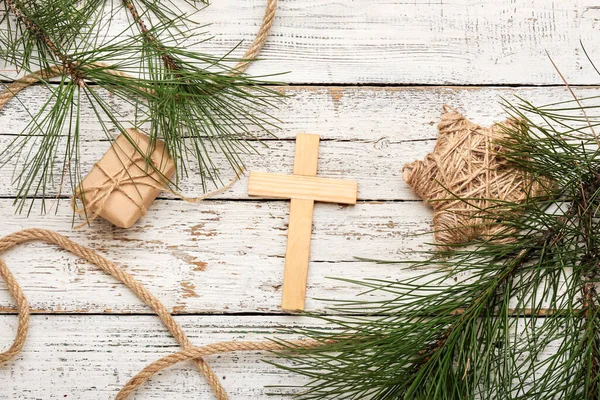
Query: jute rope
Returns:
{"type": "Point", "coordinates": [189, 352]}
{"type": "Point", "coordinates": [261, 37]}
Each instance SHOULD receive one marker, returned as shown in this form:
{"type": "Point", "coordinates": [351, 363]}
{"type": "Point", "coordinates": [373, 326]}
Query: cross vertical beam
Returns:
{"type": "Point", "coordinates": [297, 254]}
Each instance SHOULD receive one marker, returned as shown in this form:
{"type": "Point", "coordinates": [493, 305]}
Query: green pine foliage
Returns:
{"type": "Point", "coordinates": [195, 102]}
{"type": "Point", "coordinates": [496, 319]}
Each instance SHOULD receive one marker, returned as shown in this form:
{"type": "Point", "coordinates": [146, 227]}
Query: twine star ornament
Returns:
{"type": "Point", "coordinates": [466, 180]}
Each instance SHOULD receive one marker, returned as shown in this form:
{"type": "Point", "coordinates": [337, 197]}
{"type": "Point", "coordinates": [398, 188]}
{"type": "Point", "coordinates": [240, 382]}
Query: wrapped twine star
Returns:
{"type": "Point", "coordinates": [466, 181]}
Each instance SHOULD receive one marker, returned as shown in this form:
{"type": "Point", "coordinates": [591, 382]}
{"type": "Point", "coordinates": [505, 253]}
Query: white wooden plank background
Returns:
{"type": "Point", "coordinates": [210, 260]}
{"type": "Point", "coordinates": [410, 42]}
{"type": "Point", "coordinates": [423, 42]}
{"type": "Point", "coordinates": [92, 358]}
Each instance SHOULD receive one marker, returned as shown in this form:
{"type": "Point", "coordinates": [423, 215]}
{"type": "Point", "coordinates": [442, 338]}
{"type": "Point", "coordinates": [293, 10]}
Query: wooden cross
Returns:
{"type": "Point", "coordinates": [303, 188]}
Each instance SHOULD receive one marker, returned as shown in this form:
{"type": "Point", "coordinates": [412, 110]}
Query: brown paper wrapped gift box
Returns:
{"type": "Point", "coordinates": [121, 186]}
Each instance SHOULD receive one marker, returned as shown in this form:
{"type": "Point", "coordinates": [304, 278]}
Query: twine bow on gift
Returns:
{"type": "Point", "coordinates": [95, 196]}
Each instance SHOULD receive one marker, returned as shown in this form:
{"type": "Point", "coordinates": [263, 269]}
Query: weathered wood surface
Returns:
{"type": "Point", "coordinates": [368, 114]}
{"type": "Point", "coordinates": [226, 255]}
{"type": "Point", "coordinates": [402, 42]}
{"type": "Point", "coordinates": [367, 134]}
{"type": "Point", "coordinates": [92, 357]}
{"type": "Point", "coordinates": [190, 255]}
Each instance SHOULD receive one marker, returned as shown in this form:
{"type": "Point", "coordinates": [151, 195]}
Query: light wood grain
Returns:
{"type": "Point", "coordinates": [367, 133]}
{"type": "Point", "coordinates": [306, 154]}
{"type": "Point", "coordinates": [303, 189]}
{"type": "Point", "coordinates": [371, 115]}
{"type": "Point", "coordinates": [92, 357]}
{"type": "Point", "coordinates": [281, 186]}
{"type": "Point", "coordinates": [295, 275]}
{"type": "Point", "coordinates": [365, 128]}
{"type": "Point", "coordinates": [190, 255]}
{"type": "Point", "coordinates": [227, 255]}
{"type": "Point", "coordinates": [297, 255]}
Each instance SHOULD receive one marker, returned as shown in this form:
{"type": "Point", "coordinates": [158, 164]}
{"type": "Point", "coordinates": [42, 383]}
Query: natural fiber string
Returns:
{"type": "Point", "coordinates": [12, 89]}
{"type": "Point", "coordinates": [209, 350]}
{"type": "Point", "coordinates": [261, 37]}
{"type": "Point", "coordinates": [189, 352]}
{"type": "Point", "coordinates": [99, 193]}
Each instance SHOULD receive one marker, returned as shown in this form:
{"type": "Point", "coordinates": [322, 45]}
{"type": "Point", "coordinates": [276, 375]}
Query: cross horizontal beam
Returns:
{"type": "Point", "coordinates": [302, 187]}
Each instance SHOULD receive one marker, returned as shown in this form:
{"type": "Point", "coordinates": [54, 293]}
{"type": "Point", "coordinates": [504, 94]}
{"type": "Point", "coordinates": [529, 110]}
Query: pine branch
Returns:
{"type": "Point", "coordinates": [66, 62]}
{"type": "Point", "coordinates": [480, 303]}
{"type": "Point", "coordinates": [468, 328]}
{"type": "Point", "coordinates": [190, 100]}
{"type": "Point", "coordinates": [591, 337]}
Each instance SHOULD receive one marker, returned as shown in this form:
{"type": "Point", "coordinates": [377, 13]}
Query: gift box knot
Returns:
{"type": "Point", "coordinates": [126, 180]}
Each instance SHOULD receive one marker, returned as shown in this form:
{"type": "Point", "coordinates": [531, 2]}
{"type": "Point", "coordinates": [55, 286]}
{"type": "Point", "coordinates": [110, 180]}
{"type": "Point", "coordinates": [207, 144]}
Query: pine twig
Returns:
{"type": "Point", "coordinates": [190, 100]}
{"type": "Point", "coordinates": [66, 62]}
{"type": "Point", "coordinates": [169, 62]}
{"type": "Point", "coordinates": [520, 259]}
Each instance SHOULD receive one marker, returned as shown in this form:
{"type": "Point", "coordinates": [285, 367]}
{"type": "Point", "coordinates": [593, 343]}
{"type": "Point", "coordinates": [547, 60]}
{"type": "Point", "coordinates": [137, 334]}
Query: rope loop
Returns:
{"type": "Point", "coordinates": [189, 352]}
